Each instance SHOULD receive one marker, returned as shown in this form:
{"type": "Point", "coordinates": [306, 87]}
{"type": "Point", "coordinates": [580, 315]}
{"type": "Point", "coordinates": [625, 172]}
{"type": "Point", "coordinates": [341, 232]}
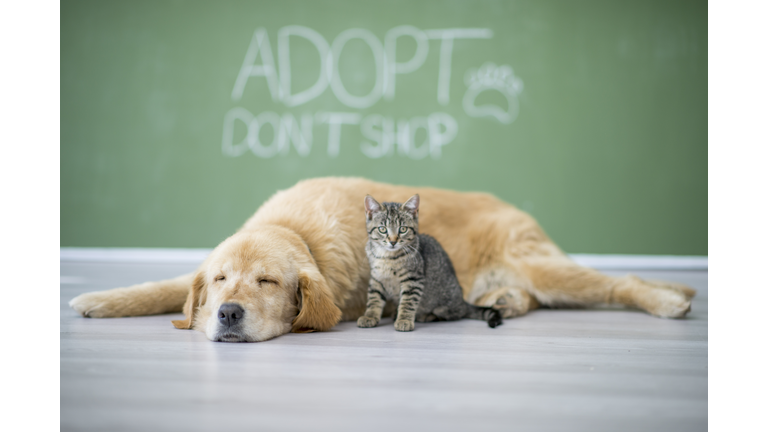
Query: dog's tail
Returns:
{"type": "Point", "coordinates": [491, 315]}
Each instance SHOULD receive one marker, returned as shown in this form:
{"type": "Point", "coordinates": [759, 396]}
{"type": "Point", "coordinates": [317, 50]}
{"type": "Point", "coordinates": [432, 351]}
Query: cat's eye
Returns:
{"type": "Point", "coordinates": [383, 230]}
{"type": "Point", "coordinates": [220, 278]}
{"type": "Point", "coordinates": [403, 230]}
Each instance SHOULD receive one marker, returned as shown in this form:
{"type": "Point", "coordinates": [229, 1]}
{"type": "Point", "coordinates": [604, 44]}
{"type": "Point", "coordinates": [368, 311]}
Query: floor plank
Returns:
{"type": "Point", "coordinates": [577, 370]}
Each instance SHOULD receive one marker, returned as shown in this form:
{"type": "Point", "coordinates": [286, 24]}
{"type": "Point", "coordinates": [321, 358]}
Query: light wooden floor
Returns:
{"type": "Point", "coordinates": [551, 370]}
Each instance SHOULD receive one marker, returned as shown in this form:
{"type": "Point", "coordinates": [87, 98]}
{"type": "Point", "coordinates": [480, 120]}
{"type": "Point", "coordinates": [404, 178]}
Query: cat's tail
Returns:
{"type": "Point", "coordinates": [491, 315]}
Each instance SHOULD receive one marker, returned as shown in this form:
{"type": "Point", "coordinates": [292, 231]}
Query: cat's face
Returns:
{"type": "Point", "coordinates": [391, 226]}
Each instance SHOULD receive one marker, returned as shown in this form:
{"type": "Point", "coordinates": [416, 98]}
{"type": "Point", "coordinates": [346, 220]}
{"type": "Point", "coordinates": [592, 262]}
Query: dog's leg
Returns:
{"type": "Point", "coordinates": [560, 282]}
{"type": "Point", "coordinates": [504, 288]}
{"type": "Point", "coordinates": [149, 298]}
{"type": "Point", "coordinates": [510, 301]}
{"type": "Point", "coordinates": [685, 289]}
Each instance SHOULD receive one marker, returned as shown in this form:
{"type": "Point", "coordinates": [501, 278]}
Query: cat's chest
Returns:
{"type": "Point", "coordinates": [384, 271]}
{"type": "Point", "coordinates": [388, 273]}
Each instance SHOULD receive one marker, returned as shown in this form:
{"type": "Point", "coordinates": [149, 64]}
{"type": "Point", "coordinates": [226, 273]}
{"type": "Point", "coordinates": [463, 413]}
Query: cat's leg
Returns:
{"type": "Point", "coordinates": [374, 306]}
{"type": "Point", "coordinates": [442, 313]}
{"type": "Point", "coordinates": [427, 317]}
{"type": "Point", "coordinates": [560, 282]}
{"type": "Point", "coordinates": [451, 313]}
{"type": "Point", "coordinates": [410, 295]}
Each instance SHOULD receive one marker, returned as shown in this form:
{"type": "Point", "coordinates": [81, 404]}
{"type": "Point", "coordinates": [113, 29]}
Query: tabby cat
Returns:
{"type": "Point", "coordinates": [412, 268]}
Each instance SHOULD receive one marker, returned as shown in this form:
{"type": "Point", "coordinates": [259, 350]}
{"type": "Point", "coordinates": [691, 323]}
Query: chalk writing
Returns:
{"type": "Point", "coordinates": [490, 77]}
{"type": "Point", "coordinates": [384, 136]}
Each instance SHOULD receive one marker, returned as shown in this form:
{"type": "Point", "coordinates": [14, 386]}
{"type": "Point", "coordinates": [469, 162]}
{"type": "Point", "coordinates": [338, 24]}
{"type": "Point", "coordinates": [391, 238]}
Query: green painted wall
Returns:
{"type": "Point", "coordinates": [599, 131]}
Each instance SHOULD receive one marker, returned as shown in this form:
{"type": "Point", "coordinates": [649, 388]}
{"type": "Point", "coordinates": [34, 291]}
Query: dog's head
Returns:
{"type": "Point", "coordinates": [257, 285]}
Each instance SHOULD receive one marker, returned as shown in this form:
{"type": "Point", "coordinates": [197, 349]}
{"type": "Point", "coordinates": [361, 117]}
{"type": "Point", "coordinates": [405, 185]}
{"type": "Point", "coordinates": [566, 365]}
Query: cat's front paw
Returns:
{"type": "Point", "coordinates": [404, 325]}
{"type": "Point", "coordinates": [367, 322]}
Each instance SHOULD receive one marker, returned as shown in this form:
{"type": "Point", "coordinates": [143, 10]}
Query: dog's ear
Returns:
{"type": "Point", "coordinates": [371, 206]}
{"type": "Point", "coordinates": [412, 205]}
{"type": "Point", "coordinates": [194, 300]}
{"type": "Point", "coordinates": [316, 308]}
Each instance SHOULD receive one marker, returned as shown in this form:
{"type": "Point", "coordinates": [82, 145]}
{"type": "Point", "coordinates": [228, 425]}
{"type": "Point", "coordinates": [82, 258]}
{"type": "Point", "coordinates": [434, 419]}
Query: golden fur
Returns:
{"type": "Point", "coordinates": [299, 264]}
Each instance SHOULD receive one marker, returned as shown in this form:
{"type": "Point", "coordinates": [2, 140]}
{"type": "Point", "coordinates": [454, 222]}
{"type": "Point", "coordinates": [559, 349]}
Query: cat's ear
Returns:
{"type": "Point", "coordinates": [412, 205]}
{"type": "Point", "coordinates": [371, 206]}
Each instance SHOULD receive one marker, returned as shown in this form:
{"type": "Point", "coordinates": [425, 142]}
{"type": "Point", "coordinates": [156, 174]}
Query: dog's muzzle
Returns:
{"type": "Point", "coordinates": [230, 316]}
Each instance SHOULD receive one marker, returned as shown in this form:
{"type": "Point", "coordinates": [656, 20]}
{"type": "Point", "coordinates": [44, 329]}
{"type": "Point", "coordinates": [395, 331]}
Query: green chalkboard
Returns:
{"type": "Point", "coordinates": [179, 118]}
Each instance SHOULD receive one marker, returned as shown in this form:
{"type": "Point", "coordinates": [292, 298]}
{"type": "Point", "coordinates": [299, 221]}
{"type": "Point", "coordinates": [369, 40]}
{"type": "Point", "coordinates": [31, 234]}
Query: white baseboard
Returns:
{"type": "Point", "coordinates": [642, 262]}
{"type": "Point", "coordinates": [134, 255]}
{"type": "Point", "coordinates": [193, 256]}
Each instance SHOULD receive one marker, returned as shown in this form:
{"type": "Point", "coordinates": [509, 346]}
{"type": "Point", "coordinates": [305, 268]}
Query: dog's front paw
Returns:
{"type": "Point", "coordinates": [404, 325]}
{"type": "Point", "coordinates": [93, 305]}
{"type": "Point", "coordinates": [367, 322]}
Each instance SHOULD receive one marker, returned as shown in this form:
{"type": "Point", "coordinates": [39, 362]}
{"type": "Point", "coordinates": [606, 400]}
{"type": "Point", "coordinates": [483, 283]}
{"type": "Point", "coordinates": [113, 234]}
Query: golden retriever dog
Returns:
{"type": "Point", "coordinates": [299, 265]}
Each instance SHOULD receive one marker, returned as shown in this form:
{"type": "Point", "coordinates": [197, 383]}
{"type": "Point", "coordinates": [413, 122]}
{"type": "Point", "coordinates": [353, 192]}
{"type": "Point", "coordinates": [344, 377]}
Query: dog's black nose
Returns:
{"type": "Point", "coordinates": [230, 314]}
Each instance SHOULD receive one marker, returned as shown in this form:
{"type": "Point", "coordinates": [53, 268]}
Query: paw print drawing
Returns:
{"type": "Point", "coordinates": [491, 77]}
